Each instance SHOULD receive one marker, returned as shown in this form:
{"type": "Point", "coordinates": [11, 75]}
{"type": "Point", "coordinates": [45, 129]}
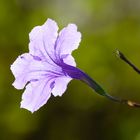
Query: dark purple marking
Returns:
{"type": "Point", "coordinates": [22, 57]}
{"type": "Point", "coordinates": [34, 80]}
{"type": "Point", "coordinates": [52, 84]}
{"type": "Point", "coordinates": [37, 58]}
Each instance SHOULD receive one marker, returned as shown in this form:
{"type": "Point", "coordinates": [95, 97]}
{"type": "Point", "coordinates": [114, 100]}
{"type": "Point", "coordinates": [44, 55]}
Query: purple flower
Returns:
{"type": "Point", "coordinates": [49, 66]}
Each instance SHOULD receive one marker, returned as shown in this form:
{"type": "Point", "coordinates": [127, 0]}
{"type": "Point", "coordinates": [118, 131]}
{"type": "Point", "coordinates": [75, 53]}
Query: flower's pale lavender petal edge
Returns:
{"type": "Point", "coordinates": [19, 69]}
{"type": "Point", "coordinates": [42, 39]}
{"type": "Point", "coordinates": [69, 39]}
{"type": "Point", "coordinates": [36, 95]}
{"type": "Point", "coordinates": [26, 68]}
{"type": "Point", "coordinates": [60, 85]}
{"type": "Point", "coordinates": [68, 59]}
{"type": "Point", "coordinates": [50, 34]}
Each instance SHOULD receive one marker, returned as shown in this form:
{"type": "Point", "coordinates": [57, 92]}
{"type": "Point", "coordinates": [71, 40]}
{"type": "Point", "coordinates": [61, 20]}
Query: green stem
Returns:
{"type": "Point", "coordinates": [99, 90]}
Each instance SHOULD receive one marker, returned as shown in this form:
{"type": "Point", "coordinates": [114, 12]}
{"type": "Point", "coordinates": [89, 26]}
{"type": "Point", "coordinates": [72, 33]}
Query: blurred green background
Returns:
{"type": "Point", "coordinates": [80, 114]}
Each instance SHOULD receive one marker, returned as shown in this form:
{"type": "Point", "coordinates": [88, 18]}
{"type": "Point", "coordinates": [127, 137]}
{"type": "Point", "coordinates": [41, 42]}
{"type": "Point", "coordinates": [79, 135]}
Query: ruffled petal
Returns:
{"type": "Point", "coordinates": [42, 40]}
{"type": "Point", "coordinates": [36, 95]}
{"type": "Point", "coordinates": [19, 69]}
{"type": "Point", "coordinates": [68, 59]}
{"type": "Point", "coordinates": [28, 68]}
{"type": "Point", "coordinates": [68, 40]}
{"type": "Point", "coordinates": [60, 85]}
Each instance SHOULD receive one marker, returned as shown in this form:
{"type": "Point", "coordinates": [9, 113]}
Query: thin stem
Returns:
{"type": "Point", "coordinates": [123, 57]}
{"type": "Point", "coordinates": [78, 74]}
{"type": "Point", "coordinates": [123, 101]}
{"type": "Point", "coordinates": [99, 90]}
